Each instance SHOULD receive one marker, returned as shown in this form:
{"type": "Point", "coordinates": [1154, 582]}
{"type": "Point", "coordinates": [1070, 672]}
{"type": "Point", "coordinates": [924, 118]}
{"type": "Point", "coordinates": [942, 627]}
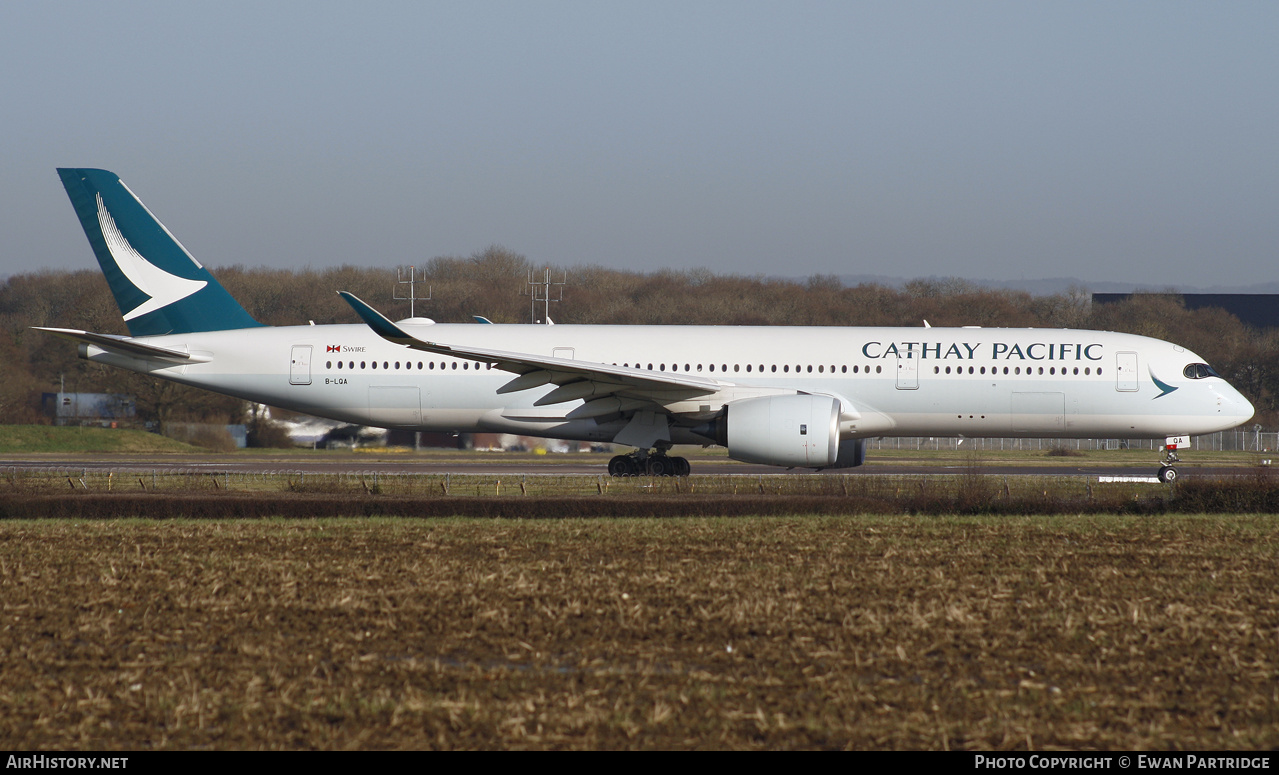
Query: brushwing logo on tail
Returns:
{"type": "Point", "coordinates": [163, 288]}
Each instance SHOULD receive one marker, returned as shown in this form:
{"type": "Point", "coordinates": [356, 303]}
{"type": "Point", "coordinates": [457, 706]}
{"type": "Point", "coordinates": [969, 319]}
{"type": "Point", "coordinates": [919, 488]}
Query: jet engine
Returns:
{"type": "Point", "coordinates": [793, 431]}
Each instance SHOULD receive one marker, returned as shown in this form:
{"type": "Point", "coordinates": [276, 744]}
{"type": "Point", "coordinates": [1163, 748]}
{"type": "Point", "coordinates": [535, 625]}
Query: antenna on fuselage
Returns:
{"type": "Point", "coordinates": [412, 292]}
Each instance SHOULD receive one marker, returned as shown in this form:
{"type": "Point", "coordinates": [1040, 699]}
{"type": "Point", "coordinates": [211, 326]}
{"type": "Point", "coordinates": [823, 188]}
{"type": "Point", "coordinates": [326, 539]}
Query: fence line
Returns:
{"type": "Point", "coordinates": [161, 478]}
{"type": "Point", "coordinates": [71, 483]}
{"type": "Point", "coordinates": [1222, 441]}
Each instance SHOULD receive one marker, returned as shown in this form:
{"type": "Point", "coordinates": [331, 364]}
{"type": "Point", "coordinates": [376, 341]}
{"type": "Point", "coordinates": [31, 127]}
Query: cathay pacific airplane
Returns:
{"type": "Point", "coordinates": [785, 396]}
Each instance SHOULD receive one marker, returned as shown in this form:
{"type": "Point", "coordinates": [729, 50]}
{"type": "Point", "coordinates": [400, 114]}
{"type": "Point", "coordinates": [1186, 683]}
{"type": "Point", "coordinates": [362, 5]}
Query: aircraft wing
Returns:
{"type": "Point", "coordinates": [577, 379]}
{"type": "Point", "coordinates": [124, 345]}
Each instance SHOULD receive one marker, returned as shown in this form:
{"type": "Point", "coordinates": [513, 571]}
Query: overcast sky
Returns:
{"type": "Point", "coordinates": [1109, 141]}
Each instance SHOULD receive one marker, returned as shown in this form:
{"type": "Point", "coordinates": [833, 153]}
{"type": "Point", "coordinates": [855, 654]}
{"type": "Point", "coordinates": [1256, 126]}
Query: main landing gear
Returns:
{"type": "Point", "coordinates": [644, 464]}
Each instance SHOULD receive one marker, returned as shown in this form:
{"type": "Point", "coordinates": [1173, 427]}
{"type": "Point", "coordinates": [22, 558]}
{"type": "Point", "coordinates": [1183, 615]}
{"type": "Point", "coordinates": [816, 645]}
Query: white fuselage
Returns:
{"type": "Point", "coordinates": [900, 381]}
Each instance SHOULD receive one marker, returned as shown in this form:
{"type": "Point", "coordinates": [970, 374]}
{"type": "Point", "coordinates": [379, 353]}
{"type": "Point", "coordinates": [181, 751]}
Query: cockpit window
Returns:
{"type": "Point", "coordinates": [1199, 371]}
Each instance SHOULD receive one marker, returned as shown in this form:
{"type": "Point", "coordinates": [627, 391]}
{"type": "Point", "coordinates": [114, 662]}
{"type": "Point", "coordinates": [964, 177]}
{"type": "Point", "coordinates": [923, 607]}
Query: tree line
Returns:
{"type": "Point", "coordinates": [493, 283]}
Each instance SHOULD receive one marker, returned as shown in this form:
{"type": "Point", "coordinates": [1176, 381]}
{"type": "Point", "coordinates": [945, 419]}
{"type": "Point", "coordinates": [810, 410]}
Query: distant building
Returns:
{"type": "Point", "coordinates": [95, 408]}
{"type": "Point", "coordinates": [1259, 310]}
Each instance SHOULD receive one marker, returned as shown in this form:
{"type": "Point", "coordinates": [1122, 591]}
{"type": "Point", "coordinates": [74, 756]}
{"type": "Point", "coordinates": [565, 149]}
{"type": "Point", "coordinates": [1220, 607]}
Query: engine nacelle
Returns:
{"type": "Point", "coordinates": [794, 431]}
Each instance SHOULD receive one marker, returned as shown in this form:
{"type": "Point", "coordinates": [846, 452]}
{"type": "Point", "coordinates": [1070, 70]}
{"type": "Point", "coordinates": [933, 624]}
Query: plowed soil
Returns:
{"type": "Point", "coordinates": [783, 632]}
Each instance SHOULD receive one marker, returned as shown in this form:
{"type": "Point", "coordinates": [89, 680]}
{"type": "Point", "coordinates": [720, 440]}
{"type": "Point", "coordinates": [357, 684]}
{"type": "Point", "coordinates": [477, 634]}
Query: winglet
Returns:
{"type": "Point", "coordinates": [377, 321]}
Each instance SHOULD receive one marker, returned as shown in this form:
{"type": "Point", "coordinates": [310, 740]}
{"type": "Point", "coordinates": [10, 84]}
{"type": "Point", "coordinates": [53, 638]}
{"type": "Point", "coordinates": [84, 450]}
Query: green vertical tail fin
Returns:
{"type": "Point", "coordinates": [159, 286]}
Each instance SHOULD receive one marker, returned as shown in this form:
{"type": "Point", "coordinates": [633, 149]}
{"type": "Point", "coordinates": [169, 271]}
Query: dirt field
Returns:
{"type": "Point", "coordinates": [802, 632]}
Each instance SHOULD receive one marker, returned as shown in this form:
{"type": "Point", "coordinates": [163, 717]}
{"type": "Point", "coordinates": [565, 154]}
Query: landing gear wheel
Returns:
{"type": "Point", "coordinates": [619, 466]}
{"type": "Point", "coordinates": [650, 465]}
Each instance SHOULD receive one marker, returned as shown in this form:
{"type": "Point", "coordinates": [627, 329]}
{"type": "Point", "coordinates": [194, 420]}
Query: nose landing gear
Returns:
{"type": "Point", "coordinates": [1166, 472]}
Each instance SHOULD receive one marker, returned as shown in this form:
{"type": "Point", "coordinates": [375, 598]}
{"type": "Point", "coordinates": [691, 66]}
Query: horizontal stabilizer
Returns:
{"type": "Point", "coordinates": [124, 345]}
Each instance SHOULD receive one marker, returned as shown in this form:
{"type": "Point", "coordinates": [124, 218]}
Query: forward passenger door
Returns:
{"type": "Point", "coordinates": [1126, 372]}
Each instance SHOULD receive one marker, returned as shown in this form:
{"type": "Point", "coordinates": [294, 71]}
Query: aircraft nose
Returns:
{"type": "Point", "coordinates": [1245, 409]}
{"type": "Point", "coordinates": [1235, 406]}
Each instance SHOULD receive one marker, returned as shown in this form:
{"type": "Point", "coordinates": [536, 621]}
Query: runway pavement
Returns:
{"type": "Point", "coordinates": [593, 466]}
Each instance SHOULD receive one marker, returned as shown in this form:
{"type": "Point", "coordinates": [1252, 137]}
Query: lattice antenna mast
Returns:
{"type": "Point", "coordinates": [540, 290]}
{"type": "Point", "coordinates": [412, 291]}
